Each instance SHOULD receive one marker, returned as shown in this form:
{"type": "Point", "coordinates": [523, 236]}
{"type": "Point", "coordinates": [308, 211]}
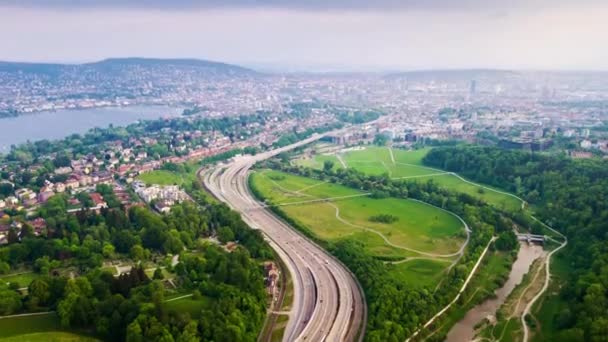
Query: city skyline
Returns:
{"type": "Point", "coordinates": [313, 36]}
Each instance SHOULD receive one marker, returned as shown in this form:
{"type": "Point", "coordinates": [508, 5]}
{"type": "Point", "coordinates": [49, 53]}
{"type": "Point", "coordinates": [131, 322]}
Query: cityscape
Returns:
{"type": "Point", "coordinates": [263, 194]}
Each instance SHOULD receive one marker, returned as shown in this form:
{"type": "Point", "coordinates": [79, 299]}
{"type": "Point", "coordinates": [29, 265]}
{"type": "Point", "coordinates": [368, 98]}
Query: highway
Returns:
{"type": "Point", "coordinates": [328, 303]}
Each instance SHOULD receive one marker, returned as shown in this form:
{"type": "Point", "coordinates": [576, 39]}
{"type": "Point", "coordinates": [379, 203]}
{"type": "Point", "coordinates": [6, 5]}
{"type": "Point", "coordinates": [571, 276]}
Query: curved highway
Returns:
{"type": "Point", "coordinates": [328, 303]}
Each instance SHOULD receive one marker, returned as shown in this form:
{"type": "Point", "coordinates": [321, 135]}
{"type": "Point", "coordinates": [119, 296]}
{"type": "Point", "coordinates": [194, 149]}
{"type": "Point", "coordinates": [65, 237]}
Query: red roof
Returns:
{"type": "Point", "coordinates": [97, 198]}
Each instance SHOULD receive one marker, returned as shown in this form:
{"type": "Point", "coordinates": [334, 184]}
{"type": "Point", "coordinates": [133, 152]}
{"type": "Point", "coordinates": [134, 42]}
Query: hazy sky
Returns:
{"type": "Point", "coordinates": [316, 34]}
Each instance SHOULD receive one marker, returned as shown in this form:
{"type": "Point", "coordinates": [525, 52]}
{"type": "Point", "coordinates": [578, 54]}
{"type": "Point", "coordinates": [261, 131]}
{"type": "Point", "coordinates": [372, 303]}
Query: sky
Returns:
{"type": "Point", "coordinates": [315, 35]}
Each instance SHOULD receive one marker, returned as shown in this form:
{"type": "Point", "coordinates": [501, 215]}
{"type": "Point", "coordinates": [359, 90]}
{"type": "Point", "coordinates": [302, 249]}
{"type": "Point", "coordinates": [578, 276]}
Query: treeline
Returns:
{"type": "Point", "coordinates": [358, 116]}
{"type": "Point", "coordinates": [569, 195]}
{"type": "Point", "coordinates": [395, 310]}
{"type": "Point", "coordinates": [88, 238]}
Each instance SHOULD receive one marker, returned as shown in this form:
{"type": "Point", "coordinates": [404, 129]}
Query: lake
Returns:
{"type": "Point", "coordinates": [62, 123]}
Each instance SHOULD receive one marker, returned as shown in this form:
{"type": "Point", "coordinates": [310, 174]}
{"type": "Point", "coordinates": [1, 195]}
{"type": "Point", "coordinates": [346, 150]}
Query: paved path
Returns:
{"type": "Point", "coordinates": [28, 314]}
{"type": "Point", "coordinates": [464, 286]}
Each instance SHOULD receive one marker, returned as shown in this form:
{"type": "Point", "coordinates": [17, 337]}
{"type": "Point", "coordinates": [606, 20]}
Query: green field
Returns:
{"type": "Point", "coordinates": [418, 230]}
{"type": "Point", "coordinates": [164, 177]}
{"type": "Point", "coordinates": [23, 279]}
{"type": "Point", "coordinates": [189, 305]}
{"type": "Point", "coordinates": [44, 327]}
{"type": "Point", "coordinates": [374, 160]}
{"type": "Point", "coordinates": [53, 336]}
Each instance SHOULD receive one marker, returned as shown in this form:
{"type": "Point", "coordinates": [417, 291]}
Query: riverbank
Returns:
{"type": "Point", "coordinates": [464, 330]}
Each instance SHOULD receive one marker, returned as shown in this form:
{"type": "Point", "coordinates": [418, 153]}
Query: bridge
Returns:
{"type": "Point", "coordinates": [531, 238]}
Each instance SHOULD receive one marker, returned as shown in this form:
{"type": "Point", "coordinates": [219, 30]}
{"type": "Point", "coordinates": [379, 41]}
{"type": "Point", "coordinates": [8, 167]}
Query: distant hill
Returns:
{"type": "Point", "coordinates": [118, 67]}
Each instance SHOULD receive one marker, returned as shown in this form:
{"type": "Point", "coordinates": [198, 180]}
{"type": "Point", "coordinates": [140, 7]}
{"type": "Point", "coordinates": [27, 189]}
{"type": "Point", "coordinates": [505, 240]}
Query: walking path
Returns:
{"type": "Point", "coordinates": [388, 242]}
{"type": "Point", "coordinates": [341, 160]}
{"type": "Point", "coordinates": [178, 298]}
{"type": "Point", "coordinates": [421, 176]}
{"type": "Point", "coordinates": [547, 279]}
{"type": "Point", "coordinates": [464, 286]}
{"type": "Point", "coordinates": [390, 151]}
{"type": "Point", "coordinates": [328, 199]}
{"type": "Point", "coordinates": [28, 314]}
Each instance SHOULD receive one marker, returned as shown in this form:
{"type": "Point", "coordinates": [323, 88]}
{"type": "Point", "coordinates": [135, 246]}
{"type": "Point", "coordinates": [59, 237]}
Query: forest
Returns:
{"type": "Point", "coordinates": [569, 195]}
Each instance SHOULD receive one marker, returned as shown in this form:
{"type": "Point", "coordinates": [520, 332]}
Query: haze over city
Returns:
{"type": "Point", "coordinates": [315, 35]}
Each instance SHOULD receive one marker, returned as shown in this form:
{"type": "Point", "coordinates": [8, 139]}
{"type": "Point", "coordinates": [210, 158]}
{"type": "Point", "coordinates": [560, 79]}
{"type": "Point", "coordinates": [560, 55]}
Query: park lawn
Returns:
{"type": "Point", "coordinates": [420, 272]}
{"type": "Point", "coordinates": [369, 167]}
{"type": "Point", "coordinates": [52, 336]}
{"type": "Point", "coordinates": [161, 177]}
{"type": "Point", "coordinates": [419, 226]}
{"type": "Point", "coordinates": [30, 328]}
{"type": "Point", "coordinates": [410, 156]}
{"type": "Point", "coordinates": [370, 153]}
{"type": "Point", "coordinates": [189, 305]}
{"type": "Point", "coordinates": [376, 161]}
{"type": "Point", "coordinates": [410, 171]}
{"type": "Point", "coordinates": [23, 279]}
{"type": "Point", "coordinates": [499, 200]}
{"type": "Point", "coordinates": [317, 161]}
{"type": "Point", "coordinates": [279, 187]}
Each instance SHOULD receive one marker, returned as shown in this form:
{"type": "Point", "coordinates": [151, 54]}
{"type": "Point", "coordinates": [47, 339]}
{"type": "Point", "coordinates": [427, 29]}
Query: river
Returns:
{"type": "Point", "coordinates": [62, 123]}
{"type": "Point", "coordinates": [464, 330]}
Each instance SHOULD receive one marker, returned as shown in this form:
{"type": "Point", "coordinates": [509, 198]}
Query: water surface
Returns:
{"type": "Point", "coordinates": [464, 330]}
{"type": "Point", "coordinates": [62, 123]}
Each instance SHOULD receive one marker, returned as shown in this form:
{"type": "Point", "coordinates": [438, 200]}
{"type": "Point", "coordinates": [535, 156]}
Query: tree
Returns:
{"type": "Point", "coordinates": [137, 253]}
{"type": "Point", "coordinates": [380, 140]}
{"type": "Point", "coordinates": [40, 289]}
{"type": "Point", "coordinates": [506, 241]}
{"type": "Point", "coordinates": [10, 302]}
{"type": "Point", "coordinates": [134, 332]}
{"type": "Point", "coordinates": [108, 250]}
{"type": "Point", "coordinates": [4, 267]}
{"type": "Point", "coordinates": [328, 165]}
{"type": "Point", "coordinates": [225, 234]}
{"type": "Point", "coordinates": [158, 274]}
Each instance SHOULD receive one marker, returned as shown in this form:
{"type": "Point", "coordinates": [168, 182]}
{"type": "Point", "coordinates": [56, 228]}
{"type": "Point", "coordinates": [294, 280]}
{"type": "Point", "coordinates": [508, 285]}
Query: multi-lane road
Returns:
{"type": "Point", "coordinates": [328, 304]}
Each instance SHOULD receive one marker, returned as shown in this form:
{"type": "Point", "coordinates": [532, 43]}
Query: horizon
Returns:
{"type": "Point", "coordinates": [297, 69]}
{"type": "Point", "coordinates": [313, 35]}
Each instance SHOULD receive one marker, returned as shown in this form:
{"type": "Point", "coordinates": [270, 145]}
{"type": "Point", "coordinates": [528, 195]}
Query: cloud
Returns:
{"type": "Point", "coordinates": [306, 5]}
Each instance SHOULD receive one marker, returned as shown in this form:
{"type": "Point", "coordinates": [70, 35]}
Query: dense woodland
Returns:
{"type": "Point", "coordinates": [570, 195]}
{"type": "Point", "coordinates": [395, 310]}
{"type": "Point", "coordinates": [132, 307]}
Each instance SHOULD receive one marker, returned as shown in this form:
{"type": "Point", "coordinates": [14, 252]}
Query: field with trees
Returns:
{"type": "Point", "coordinates": [408, 164]}
{"type": "Point", "coordinates": [413, 228]}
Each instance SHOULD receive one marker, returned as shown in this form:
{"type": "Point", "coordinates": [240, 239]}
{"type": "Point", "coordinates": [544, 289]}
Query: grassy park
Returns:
{"type": "Point", "coordinates": [334, 212]}
{"type": "Point", "coordinates": [404, 164]}
{"type": "Point", "coordinates": [45, 327]}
